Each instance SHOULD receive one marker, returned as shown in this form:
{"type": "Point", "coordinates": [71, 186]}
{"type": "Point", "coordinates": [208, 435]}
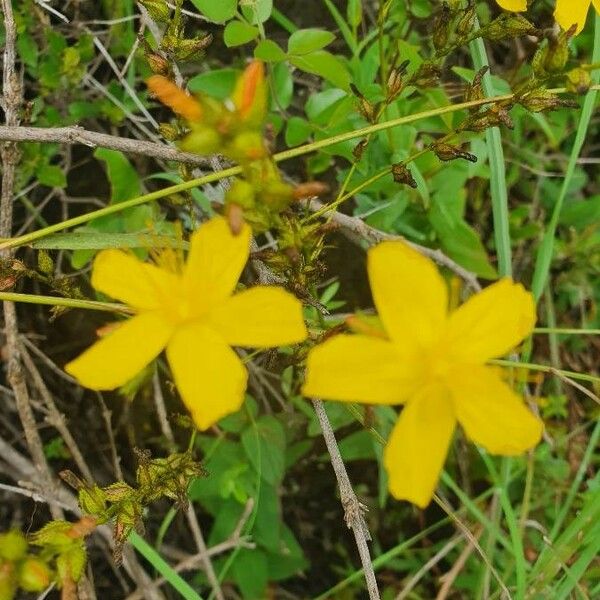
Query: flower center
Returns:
{"type": "Point", "coordinates": [437, 364]}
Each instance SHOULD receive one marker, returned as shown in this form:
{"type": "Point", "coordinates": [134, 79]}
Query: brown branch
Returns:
{"type": "Point", "coordinates": [353, 509]}
{"type": "Point", "coordinates": [355, 228]}
{"type": "Point", "coordinates": [9, 153]}
{"type": "Point", "coordinates": [79, 135]}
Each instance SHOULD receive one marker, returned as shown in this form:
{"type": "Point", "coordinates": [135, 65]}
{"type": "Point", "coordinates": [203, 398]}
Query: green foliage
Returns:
{"type": "Point", "coordinates": [435, 180]}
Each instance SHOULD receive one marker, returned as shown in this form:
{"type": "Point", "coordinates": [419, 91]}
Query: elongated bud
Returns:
{"type": "Point", "coordinates": [175, 98]}
{"type": "Point", "coordinates": [250, 94]}
{"type": "Point", "coordinates": [310, 189]}
{"type": "Point", "coordinates": [507, 26]}
{"type": "Point", "coordinates": [235, 218]}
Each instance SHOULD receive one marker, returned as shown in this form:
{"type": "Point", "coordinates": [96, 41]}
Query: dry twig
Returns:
{"type": "Point", "coordinates": [352, 506]}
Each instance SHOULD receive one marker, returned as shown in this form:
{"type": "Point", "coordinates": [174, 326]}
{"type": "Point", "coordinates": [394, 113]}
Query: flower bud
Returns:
{"type": "Point", "coordinates": [8, 581]}
{"type": "Point", "coordinates": [13, 545]}
{"type": "Point", "coordinates": [579, 81]}
{"type": "Point", "coordinates": [175, 98]}
{"type": "Point", "coordinates": [248, 145]}
{"type": "Point", "coordinates": [201, 140]}
{"type": "Point", "coordinates": [241, 193]}
{"type": "Point", "coordinates": [34, 575]}
{"type": "Point", "coordinates": [250, 94]}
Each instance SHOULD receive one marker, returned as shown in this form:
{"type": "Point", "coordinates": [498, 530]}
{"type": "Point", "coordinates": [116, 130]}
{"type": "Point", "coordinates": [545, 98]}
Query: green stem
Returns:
{"type": "Point", "coordinates": [545, 369]}
{"type": "Point", "coordinates": [66, 302]}
{"type": "Point", "coordinates": [499, 192]}
{"type": "Point", "coordinates": [231, 172]}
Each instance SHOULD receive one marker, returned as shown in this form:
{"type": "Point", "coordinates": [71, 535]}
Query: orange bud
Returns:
{"type": "Point", "coordinates": [250, 95]}
{"type": "Point", "coordinates": [175, 98]}
{"type": "Point", "coordinates": [310, 189]}
{"type": "Point", "coordinates": [83, 527]}
{"type": "Point", "coordinates": [235, 218]}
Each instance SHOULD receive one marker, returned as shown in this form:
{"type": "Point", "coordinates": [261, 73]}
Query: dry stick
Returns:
{"type": "Point", "coordinates": [56, 418]}
{"type": "Point", "coordinates": [11, 102]}
{"type": "Point", "coordinates": [78, 135]}
{"type": "Point", "coordinates": [449, 577]}
{"type": "Point", "coordinates": [353, 509]}
{"type": "Point", "coordinates": [434, 560]}
{"type": "Point", "coordinates": [356, 227]}
{"type": "Point", "coordinates": [159, 402]}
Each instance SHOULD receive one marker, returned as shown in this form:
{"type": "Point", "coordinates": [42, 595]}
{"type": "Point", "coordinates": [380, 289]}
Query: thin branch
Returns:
{"type": "Point", "coordinates": [79, 135]}
{"type": "Point", "coordinates": [9, 153]}
{"type": "Point", "coordinates": [354, 227]}
{"type": "Point", "coordinates": [353, 509]}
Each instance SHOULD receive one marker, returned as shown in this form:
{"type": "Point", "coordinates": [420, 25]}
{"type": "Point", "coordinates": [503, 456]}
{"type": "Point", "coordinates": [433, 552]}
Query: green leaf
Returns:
{"type": "Point", "coordinates": [257, 11]}
{"type": "Point", "coordinates": [283, 86]}
{"type": "Point", "coordinates": [124, 180]}
{"type": "Point", "coordinates": [218, 83]}
{"type": "Point", "coordinates": [238, 33]}
{"type": "Point", "coordinates": [325, 65]}
{"type": "Point", "coordinates": [297, 132]}
{"type": "Point", "coordinates": [28, 50]}
{"type": "Point", "coordinates": [217, 11]}
{"type": "Point", "coordinates": [267, 524]}
{"type": "Point", "coordinates": [52, 176]}
{"type": "Point", "coordinates": [251, 573]}
{"type": "Point", "coordinates": [264, 443]}
{"type": "Point", "coordinates": [97, 240]}
{"type": "Point", "coordinates": [461, 242]}
{"type": "Point", "coordinates": [269, 51]}
{"type": "Point", "coordinates": [305, 41]}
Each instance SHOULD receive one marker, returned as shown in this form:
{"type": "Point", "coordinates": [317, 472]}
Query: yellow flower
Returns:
{"type": "Point", "coordinates": [193, 314]}
{"type": "Point", "coordinates": [433, 362]}
{"type": "Point", "coordinates": [567, 12]}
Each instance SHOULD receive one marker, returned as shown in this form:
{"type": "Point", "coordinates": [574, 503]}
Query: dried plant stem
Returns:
{"type": "Point", "coordinates": [352, 507]}
{"type": "Point", "coordinates": [355, 227]}
{"type": "Point", "coordinates": [9, 153]}
{"type": "Point", "coordinates": [192, 519]}
{"type": "Point", "coordinates": [78, 135]}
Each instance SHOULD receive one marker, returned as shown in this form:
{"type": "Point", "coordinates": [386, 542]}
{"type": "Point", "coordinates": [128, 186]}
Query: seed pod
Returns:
{"type": "Point", "coordinates": [448, 152]}
{"type": "Point", "coordinates": [403, 176]}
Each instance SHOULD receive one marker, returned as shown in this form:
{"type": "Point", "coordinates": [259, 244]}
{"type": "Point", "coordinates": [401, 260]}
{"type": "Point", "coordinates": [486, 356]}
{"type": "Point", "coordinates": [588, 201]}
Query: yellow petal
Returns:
{"type": "Point", "coordinates": [122, 276]}
{"type": "Point", "coordinates": [491, 323]}
{"type": "Point", "coordinates": [491, 413]}
{"type": "Point", "coordinates": [572, 12]}
{"type": "Point", "coordinates": [358, 368]}
{"type": "Point", "coordinates": [409, 293]}
{"type": "Point", "coordinates": [417, 448]}
{"type": "Point", "coordinates": [215, 262]}
{"type": "Point", "coordinates": [209, 376]}
{"type": "Point", "coordinates": [261, 317]}
{"type": "Point", "coordinates": [121, 355]}
{"type": "Point", "coordinates": [513, 5]}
